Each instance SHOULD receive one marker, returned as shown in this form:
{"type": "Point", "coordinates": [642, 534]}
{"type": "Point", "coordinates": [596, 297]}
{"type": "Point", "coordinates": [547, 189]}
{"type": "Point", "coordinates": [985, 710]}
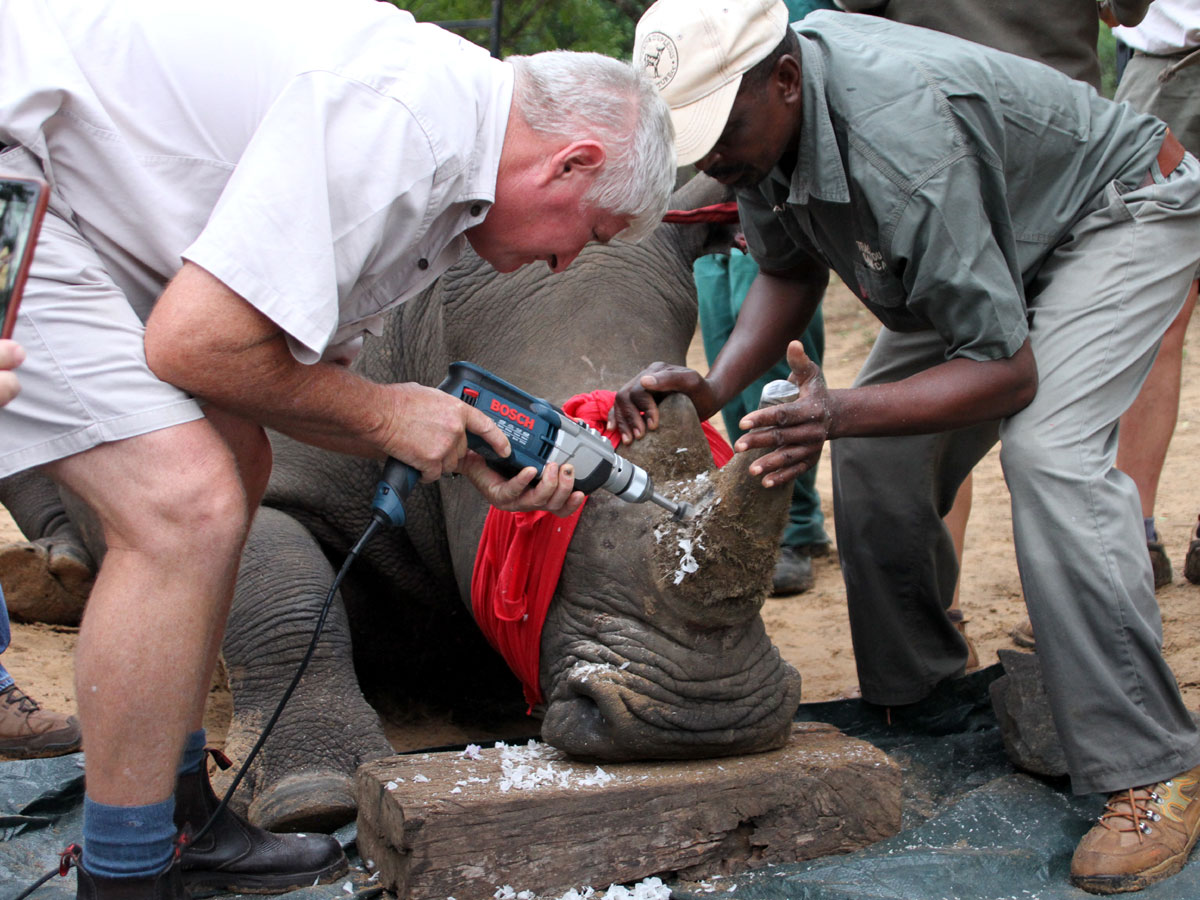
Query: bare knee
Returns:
{"type": "Point", "coordinates": [251, 449]}
{"type": "Point", "coordinates": [173, 495]}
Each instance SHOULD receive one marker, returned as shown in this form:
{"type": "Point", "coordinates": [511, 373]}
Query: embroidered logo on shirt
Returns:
{"type": "Point", "coordinates": [873, 258]}
{"type": "Point", "coordinates": [660, 59]}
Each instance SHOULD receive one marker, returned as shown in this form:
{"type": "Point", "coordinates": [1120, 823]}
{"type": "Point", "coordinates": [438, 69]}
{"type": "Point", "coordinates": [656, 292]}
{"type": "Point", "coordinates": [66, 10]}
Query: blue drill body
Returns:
{"type": "Point", "coordinates": [538, 433]}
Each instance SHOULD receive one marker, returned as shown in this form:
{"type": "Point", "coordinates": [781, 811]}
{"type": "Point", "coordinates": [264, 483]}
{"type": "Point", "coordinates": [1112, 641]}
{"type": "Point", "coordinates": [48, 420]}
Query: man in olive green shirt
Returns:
{"type": "Point", "coordinates": [1025, 244]}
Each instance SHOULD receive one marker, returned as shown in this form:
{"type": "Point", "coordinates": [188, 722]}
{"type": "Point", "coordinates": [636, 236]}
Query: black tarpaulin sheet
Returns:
{"type": "Point", "coordinates": [41, 812]}
{"type": "Point", "coordinates": [973, 827]}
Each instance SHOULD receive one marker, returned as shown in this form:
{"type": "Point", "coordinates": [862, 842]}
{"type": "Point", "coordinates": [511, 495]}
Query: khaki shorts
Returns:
{"type": "Point", "coordinates": [85, 380]}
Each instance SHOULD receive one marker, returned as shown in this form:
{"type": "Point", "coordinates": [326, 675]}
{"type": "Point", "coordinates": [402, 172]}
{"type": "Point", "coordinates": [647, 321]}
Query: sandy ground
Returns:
{"type": "Point", "coordinates": [811, 629]}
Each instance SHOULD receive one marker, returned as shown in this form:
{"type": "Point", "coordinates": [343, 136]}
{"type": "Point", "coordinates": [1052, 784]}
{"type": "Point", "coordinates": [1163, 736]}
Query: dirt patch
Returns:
{"type": "Point", "coordinates": [811, 629]}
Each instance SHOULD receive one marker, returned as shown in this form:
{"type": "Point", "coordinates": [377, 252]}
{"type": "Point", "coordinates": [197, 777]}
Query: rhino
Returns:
{"type": "Point", "coordinates": [640, 657]}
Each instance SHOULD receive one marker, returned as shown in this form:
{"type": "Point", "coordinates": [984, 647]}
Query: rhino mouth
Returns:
{"type": "Point", "coordinates": [629, 711]}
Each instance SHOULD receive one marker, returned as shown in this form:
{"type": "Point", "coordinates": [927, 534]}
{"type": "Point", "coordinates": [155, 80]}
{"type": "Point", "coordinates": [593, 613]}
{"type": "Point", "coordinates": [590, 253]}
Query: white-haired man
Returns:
{"type": "Point", "coordinates": [239, 191]}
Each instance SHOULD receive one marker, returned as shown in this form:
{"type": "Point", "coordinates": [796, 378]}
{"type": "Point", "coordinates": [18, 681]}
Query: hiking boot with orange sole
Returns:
{"type": "Point", "coordinates": [1144, 835]}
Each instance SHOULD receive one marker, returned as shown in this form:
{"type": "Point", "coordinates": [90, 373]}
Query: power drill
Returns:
{"type": "Point", "coordinates": [538, 433]}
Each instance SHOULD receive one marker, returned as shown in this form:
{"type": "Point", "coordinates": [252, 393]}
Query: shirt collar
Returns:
{"type": "Point", "coordinates": [819, 171]}
{"type": "Point", "coordinates": [480, 184]}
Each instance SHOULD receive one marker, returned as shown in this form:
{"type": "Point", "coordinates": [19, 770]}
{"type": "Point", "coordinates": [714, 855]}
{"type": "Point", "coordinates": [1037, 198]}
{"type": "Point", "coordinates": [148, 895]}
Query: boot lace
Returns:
{"type": "Point", "coordinates": [25, 704]}
{"type": "Point", "coordinates": [1130, 810]}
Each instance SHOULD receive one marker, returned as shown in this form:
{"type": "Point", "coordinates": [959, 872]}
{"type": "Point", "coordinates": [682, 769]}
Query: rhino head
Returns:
{"type": "Point", "coordinates": [654, 646]}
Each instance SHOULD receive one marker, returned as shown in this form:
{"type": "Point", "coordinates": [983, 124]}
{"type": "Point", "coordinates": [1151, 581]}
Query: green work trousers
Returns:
{"type": "Point", "coordinates": [721, 285]}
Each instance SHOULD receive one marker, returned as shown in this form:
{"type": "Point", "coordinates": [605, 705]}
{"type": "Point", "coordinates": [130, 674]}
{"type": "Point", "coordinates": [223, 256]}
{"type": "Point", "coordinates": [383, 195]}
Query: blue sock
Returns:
{"type": "Point", "coordinates": [193, 752]}
{"type": "Point", "coordinates": [1151, 531]}
{"type": "Point", "coordinates": [128, 841]}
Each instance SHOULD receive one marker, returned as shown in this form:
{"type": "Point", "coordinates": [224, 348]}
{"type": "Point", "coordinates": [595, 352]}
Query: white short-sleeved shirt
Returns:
{"type": "Point", "coordinates": [1169, 27]}
{"type": "Point", "coordinates": [322, 158]}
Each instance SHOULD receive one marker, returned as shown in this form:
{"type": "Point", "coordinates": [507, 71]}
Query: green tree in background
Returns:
{"type": "Point", "coordinates": [528, 26]}
{"type": "Point", "coordinates": [607, 26]}
{"type": "Point", "coordinates": [1106, 47]}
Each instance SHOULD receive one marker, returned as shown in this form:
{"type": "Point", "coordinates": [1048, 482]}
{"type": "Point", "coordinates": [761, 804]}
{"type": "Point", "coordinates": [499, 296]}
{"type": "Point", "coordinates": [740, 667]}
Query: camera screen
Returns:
{"type": "Point", "coordinates": [18, 204]}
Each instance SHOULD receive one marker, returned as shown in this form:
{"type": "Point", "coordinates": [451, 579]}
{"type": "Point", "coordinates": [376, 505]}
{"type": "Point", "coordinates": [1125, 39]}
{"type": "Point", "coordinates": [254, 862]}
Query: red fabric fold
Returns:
{"type": "Point", "coordinates": [720, 213]}
{"type": "Point", "coordinates": [521, 556]}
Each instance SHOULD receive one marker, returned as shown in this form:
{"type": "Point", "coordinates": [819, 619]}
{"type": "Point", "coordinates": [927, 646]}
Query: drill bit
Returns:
{"type": "Point", "coordinates": [680, 512]}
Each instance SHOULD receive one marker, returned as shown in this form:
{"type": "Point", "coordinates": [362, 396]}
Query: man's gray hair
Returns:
{"type": "Point", "coordinates": [579, 96]}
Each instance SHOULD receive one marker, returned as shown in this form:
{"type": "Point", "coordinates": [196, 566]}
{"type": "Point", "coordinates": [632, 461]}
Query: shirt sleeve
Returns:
{"type": "Point", "coordinates": [333, 170]}
{"type": "Point", "coordinates": [956, 260]}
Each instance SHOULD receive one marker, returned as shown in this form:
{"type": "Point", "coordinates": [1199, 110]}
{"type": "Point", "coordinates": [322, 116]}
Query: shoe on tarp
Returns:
{"type": "Point", "coordinates": [1144, 835]}
{"type": "Point", "coordinates": [166, 885]}
{"type": "Point", "coordinates": [236, 857]}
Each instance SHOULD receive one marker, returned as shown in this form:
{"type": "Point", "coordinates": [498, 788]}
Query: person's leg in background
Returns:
{"type": "Point", "coordinates": [1159, 86]}
{"type": "Point", "coordinates": [26, 730]}
{"type": "Point", "coordinates": [721, 285]}
{"type": "Point", "coordinates": [956, 522]}
{"type": "Point", "coordinates": [1146, 431]}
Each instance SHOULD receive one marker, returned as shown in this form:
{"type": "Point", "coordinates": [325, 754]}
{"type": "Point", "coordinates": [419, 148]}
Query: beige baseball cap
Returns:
{"type": "Point", "coordinates": [696, 51]}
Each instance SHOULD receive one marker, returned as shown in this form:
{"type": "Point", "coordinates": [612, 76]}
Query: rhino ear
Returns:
{"type": "Point", "coordinates": [678, 448]}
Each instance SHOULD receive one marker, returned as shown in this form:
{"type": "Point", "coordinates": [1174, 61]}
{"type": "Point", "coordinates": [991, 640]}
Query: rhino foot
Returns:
{"type": "Point", "coordinates": [46, 580]}
{"type": "Point", "coordinates": [309, 801]}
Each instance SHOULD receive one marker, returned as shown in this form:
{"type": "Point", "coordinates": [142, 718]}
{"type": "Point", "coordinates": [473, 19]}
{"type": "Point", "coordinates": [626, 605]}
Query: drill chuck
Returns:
{"type": "Point", "coordinates": [597, 464]}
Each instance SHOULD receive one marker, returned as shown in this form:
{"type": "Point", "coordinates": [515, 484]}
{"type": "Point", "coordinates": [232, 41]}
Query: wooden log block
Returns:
{"type": "Point", "coordinates": [462, 824]}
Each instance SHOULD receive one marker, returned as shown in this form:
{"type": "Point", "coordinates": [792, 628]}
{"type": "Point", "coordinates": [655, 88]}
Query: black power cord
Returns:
{"type": "Point", "coordinates": [70, 856]}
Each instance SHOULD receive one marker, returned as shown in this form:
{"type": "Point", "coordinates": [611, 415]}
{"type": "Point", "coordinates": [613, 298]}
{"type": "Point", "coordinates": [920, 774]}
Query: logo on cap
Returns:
{"type": "Point", "coordinates": [660, 59]}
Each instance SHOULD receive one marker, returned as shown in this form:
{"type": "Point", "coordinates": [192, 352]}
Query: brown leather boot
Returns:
{"type": "Point", "coordinates": [237, 857]}
{"type": "Point", "coordinates": [1144, 835]}
{"type": "Point", "coordinates": [29, 732]}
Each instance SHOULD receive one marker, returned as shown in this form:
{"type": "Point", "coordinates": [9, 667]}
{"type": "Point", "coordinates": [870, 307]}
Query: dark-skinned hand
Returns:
{"type": "Point", "coordinates": [636, 407]}
{"type": "Point", "coordinates": [798, 430]}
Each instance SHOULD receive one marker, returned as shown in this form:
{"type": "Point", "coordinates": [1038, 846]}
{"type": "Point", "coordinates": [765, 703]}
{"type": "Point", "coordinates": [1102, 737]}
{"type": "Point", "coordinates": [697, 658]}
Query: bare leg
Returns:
{"type": "Point", "coordinates": [956, 522]}
{"type": "Point", "coordinates": [252, 451]}
{"type": "Point", "coordinates": [174, 516]}
{"type": "Point", "coordinates": [1147, 427]}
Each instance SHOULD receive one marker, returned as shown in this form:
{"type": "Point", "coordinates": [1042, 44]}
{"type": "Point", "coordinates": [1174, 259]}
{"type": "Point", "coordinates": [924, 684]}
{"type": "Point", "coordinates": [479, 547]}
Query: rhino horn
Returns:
{"type": "Point", "coordinates": [715, 566]}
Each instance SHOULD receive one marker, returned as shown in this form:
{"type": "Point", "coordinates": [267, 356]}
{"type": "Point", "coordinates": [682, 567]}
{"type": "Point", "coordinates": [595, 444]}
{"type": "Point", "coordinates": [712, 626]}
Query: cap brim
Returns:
{"type": "Point", "coordinates": [698, 125]}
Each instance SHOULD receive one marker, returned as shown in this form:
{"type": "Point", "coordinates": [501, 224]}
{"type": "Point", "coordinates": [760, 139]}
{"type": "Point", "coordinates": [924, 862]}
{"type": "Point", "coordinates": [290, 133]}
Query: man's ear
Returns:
{"type": "Point", "coordinates": [787, 76]}
{"type": "Point", "coordinates": [579, 157]}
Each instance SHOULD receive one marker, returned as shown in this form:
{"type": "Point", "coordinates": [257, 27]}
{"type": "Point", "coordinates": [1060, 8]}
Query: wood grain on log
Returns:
{"type": "Point", "coordinates": [440, 825]}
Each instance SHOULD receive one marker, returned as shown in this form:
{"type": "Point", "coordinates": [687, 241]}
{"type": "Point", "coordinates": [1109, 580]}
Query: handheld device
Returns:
{"type": "Point", "coordinates": [538, 433]}
{"type": "Point", "coordinates": [22, 206]}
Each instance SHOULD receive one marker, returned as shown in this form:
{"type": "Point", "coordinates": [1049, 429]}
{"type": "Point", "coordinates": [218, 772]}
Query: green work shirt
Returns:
{"type": "Point", "coordinates": [935, 176]}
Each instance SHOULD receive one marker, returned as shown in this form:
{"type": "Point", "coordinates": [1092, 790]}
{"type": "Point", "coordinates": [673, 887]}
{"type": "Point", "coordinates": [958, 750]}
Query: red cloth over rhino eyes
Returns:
{"type": "Point", "coordinates": [521, 557]}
